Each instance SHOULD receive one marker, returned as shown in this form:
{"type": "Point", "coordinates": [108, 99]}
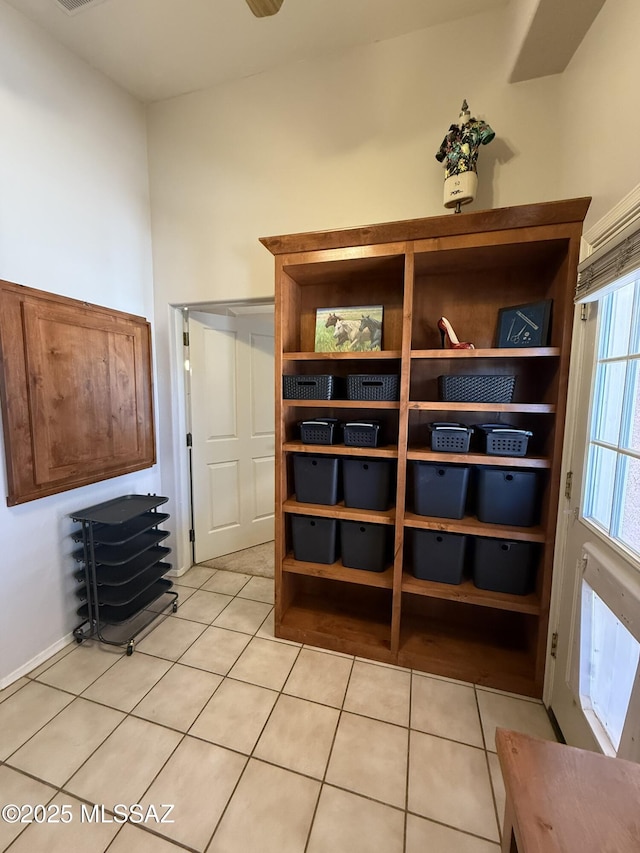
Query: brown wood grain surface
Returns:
{"type": "Point", "coordinates": [77, 400]}
{"type": "Point", "coordinates": [566, 800]}
{"type": "Point", "coordinates": [465, 267]}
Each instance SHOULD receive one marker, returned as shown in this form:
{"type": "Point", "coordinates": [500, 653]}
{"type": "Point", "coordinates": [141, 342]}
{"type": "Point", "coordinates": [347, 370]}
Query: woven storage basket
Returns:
{"type": "Point", "coordinates": [373, 387]}
{"type": "Point", "coordinates": [476, 389]}
{"type": "Point", "coordinates": [301, 387]}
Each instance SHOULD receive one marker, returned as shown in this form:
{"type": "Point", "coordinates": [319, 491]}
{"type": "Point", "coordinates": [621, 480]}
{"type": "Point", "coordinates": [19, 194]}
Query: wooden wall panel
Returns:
{"type": "Point", "coordinates": [76, 392]}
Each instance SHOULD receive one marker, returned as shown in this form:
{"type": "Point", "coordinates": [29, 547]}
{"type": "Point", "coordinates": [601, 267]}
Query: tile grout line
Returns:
{"type": "Point", "coordinates": [323, 781]}
{"type": "Point", "coordinates": [61, 788]}
{"type": "Point", "coordinates": [185, 734]}
{"type": "Point", "coordinates": [251, 754]}
{"type": "Point", "coordinates": [409, 738]}
{"type": "Point", "coordinates": [486, 755]}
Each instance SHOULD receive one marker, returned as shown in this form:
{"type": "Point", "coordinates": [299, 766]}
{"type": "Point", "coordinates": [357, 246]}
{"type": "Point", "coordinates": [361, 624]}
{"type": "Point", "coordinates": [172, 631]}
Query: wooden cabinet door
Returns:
{"type": "Point", "coordinates": [77, 393]}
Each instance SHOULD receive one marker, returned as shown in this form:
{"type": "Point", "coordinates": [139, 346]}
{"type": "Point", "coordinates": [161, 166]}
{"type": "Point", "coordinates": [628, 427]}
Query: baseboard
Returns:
{"type": "Point", "coordinates": [177, 573]}
{"type": "Point", "coordinates": [36, 661]}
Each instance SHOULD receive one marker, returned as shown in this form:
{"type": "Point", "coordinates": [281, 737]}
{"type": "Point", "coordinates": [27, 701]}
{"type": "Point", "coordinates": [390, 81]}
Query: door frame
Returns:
{"type": "Point", "coordinates": [597, 236]}
{"type": "Point", "coordinates": [181, 416]}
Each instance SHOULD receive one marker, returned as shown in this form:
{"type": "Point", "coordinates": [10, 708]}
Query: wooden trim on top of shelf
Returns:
{"type": "Point", "coordinates": [521, 216]}
{"type": "Point", "coordinates": [470, 524]}
{"type": "Point", "coordinates": [337, 571]}
{"type": "Point", "coordinates": [343, 404]}
{"type": "Point", "coordinates": [387, 452]}
{"type": "Point", "coordinates": [438, 406]}
{"type": "Point", "coordinates": [468, 593]}
{"type": "Point", "coordinates": [426, 455]}
{"type": "Point", "coordinates": [376, 355]}
{"type": "Point", "coordinates": [510, 352]}
{"type": "Point", "coordinates": [339, 510]}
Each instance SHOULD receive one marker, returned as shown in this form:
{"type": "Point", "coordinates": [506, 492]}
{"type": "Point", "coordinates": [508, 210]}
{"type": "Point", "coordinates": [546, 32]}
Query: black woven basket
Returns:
{"type": "Point", "coordinates": [476, 389]}
{"type": "Point", "coordinates": [301, 387]}
{"type": "Point", "coordinates": [373, 387]}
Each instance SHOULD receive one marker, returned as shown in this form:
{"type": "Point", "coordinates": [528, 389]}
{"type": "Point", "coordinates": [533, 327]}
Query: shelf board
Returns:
{"type": "Point", "coordinates": [466, 653]}
{"type": "Point", "coordinates": [117, 596]}
{"type": "Point", "coordinates": [120, 534]}
{"type": "Point", "coordinates": [339, 510]}
{"type": "Point", "coordinates": [437, 406]}
{"type": "Point", "coordinates": [479, 459]}
{"type": "Point", "coordinates": [390, 451]}
{"type": "Point", "coordinates": [342, 356]}
{"type": "Point", "coordinates": [470, 524]}
{"type": "Point", "coordinates": [512, 352]}
{"type": "Point", "coordinates": [331, 624]}
{"type": "Point", "coordinates": [118, 614]}
{"type": "Point", "coordinates": [119, 510]}
{"type": "Point", "coordinates": [118, 555]}
{"type": "Point", "coordinates": [343, 404]}
{"type": "Point", "coordinates": [468, 593]}
{"type": "Point", "coordinates": [336, 571]}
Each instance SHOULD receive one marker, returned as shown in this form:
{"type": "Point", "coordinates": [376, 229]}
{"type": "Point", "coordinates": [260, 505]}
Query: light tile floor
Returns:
{"type": "Point", "coordinates": [259, 744]}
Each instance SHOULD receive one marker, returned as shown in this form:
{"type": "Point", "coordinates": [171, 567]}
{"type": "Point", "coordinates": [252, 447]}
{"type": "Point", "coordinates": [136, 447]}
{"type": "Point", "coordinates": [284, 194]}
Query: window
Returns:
{"type": "Point", "coordinates": [609, 661]}
{"type": "Point", "coordinates": [612, 494]}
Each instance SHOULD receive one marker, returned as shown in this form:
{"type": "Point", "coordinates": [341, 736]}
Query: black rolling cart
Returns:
{"type": "Point", "coordinates": [123, 567]}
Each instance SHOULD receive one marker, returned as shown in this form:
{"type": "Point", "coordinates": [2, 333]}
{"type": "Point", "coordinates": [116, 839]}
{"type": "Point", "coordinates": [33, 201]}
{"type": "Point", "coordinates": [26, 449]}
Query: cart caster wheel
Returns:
{"type": "Point", "coordinates": [130, 649]}
{"type": "Point", "coordinates": [79, 640]}
{"type": "Point", "coordinates": [174, 607]}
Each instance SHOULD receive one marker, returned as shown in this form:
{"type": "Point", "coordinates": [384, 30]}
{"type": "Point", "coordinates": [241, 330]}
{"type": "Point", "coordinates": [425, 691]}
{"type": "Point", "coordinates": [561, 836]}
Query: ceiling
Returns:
{"type": "Point", "coordinates": [159, 49]}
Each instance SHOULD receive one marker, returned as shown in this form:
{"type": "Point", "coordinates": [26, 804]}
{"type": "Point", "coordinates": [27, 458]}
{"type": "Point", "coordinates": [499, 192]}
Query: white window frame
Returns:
{"type": "Point", "coordinates": [607, 231]}
{"type": "Point", "coordinates": [619, 587]}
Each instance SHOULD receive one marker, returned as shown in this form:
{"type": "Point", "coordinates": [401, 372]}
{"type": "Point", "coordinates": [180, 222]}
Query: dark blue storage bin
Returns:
{"type": "Point", "coordinates": [315, 540]}
{"type": "Point", "coordinates": [365, 546]}
{"type": "Point", "coordinates": [316, 479]}
{"type": "Point", "coordinates": [440, 490]}
{"type": "Point", "coordinates": [507, 496]}
{"type": "Point", "coordinates": [502, 565]}
{"type": "Point", "coordinates": [367, 483]}
{"type": "Point", "coordinates": [438, 556]}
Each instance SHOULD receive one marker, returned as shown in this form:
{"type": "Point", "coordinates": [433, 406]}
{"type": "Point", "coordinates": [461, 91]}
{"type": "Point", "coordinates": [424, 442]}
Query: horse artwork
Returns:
{"type": "Point", "coordinates": [342, 329]}
{"type": "Point", "coordinates": [350, 333]}
{"type": "Point", "coordinates": [374, 327]}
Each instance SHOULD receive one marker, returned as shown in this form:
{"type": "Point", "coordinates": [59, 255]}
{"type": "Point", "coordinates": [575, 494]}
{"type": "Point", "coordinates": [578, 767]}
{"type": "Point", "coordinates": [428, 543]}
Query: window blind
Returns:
{"type": "Point", "coordinates": [618, 257]}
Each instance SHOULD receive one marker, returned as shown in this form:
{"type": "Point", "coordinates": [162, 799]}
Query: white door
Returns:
{"type": "Point", "coordinates": [232, 427]}
{"type": "Point", "coordinates": [596, 679]}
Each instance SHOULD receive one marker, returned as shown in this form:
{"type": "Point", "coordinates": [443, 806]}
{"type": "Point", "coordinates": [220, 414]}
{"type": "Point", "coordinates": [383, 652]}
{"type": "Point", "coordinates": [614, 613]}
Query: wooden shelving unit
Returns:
{"type": "Point", "coordinates": [465, 267]}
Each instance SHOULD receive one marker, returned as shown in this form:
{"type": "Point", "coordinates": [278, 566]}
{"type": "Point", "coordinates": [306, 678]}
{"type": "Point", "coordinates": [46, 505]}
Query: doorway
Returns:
{"type": "Point", "coordinates": [595, 694]}
{"type": "Point", "coordinates": [229, 396]}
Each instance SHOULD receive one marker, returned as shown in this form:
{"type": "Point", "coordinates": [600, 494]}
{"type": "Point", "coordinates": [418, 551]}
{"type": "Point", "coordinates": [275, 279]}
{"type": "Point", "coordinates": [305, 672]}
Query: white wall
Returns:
{"type": "Point", "coordinates": [600, 115]}
{"type": "Point", "coordinates": [343, 141]}
{"type": "Point", "coordinates": [74, 220]}
{"type": "Point", "coordinates": [328, 143]}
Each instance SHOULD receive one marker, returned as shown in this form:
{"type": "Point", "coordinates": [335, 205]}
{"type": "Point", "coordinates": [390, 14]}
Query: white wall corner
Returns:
{"type": "Point", "coordinates": [520, 20]}
{"type": "Point", "coordinates": [30, 665]}
{"type": "Point", "coordinates": [546, 34]}
{"type": "Point", "coordinates": [620, 217]}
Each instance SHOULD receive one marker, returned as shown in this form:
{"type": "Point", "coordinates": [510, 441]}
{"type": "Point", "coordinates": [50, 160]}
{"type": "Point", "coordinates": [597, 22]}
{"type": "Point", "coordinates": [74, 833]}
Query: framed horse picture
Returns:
{"type": "Point", "coordinates": [353, 328]}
